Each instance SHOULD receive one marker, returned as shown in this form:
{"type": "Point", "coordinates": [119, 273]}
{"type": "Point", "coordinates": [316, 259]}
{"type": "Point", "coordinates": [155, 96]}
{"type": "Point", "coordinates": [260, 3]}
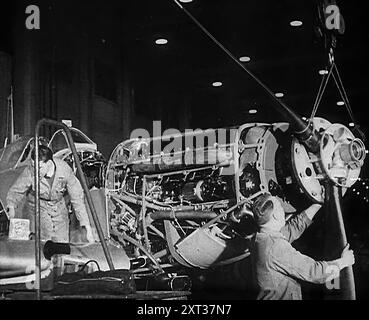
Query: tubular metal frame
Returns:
{"type": "Point", "coordinates": [37, 201]}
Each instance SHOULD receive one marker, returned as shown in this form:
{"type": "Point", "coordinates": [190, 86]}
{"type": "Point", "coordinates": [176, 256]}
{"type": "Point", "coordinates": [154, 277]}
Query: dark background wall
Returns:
{"type": "Point", "coordinates": [78, 66]}
{"type": "Point", "coordinates": [95, 62]}
{"type": "Point", "coordinates": [63, 72]}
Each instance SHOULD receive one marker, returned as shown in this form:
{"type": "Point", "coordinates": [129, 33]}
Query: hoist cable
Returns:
{"type": "Point", "coordinates": [322, 88]}
{"type": "Point", "coordinates": [301, 125]}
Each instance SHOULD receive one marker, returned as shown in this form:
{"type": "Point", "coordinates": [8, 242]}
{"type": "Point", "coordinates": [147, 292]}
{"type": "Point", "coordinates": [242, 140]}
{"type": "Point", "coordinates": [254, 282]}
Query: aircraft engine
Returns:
{"type": "Point", "coordinates": [184, 199]}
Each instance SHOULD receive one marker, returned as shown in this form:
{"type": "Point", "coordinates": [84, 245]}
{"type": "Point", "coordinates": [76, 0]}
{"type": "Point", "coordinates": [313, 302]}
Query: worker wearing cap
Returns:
{"type": "Point", "coordinates": [277, 266]}
{"type": "Point", "coordinates": [56, 179]}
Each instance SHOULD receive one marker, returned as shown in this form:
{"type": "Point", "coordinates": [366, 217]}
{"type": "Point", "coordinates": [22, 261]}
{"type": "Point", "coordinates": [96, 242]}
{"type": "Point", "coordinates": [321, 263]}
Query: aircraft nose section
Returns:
{"type": "Point", "coordinates": [342, 155]}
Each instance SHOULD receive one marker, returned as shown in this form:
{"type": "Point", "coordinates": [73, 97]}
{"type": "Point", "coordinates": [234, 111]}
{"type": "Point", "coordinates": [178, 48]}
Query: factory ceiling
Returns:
{"type": "Point", "coordinates": [286, 58]}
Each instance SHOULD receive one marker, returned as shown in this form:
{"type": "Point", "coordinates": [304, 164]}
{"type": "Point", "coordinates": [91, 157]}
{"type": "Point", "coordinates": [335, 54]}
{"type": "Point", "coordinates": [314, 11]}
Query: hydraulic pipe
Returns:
{"type": "Point", "coordinates": [183, 215]}
{"type": "Point", "coordinates": [37, 217]}
{"type": "Point", "coordinates": [123, 236]}
{"type": "Point", "coordinates": [37, 200]}
{"type": "Point", "coordinates": [143, 213]}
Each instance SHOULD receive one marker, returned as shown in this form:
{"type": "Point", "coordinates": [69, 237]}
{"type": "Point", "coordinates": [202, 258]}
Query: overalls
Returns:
{"type": "Point", "coordinates": [278, 267]}
{"type": "Point", "coordinates": [53, 209]}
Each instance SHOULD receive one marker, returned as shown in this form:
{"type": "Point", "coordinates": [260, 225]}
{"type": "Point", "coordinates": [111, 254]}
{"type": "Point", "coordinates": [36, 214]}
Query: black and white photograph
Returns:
{"type": "Point", "coordinates": [179, 155]}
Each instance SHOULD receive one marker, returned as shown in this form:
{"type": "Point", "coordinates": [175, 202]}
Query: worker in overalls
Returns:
{"type": "Point", "coordinates": [56, 179]}
{"type": "Point", "coordinates": [278, 267]}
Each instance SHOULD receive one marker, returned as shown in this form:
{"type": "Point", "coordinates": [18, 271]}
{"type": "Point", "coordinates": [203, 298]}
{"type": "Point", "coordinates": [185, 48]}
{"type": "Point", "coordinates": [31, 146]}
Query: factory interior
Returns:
{"type": "Point", "coordinates": [114, 68]}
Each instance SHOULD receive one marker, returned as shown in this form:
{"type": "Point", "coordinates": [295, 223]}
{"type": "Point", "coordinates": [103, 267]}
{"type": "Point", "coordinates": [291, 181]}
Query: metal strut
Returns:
{"type": "Point", "coordinates": [347, 280]}
{"type": "Point", "coordinates": [37, 202]}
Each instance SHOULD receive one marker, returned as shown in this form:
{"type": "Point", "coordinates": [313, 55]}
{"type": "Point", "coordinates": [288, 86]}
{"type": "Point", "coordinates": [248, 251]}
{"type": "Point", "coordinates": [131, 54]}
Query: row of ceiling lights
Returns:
{"type": "Point", "coordinates": [245, 59]}
{"type": "Point", "coordinates": [351, 124]}
{"type": "Point", "coordinates": [242, 59]}
{"type": "Point", "coordinates": [163, 41]}
{"type": "Point", "coordinates": [294, 23]}
{"type": "Point", "coordinates": [248, 59]}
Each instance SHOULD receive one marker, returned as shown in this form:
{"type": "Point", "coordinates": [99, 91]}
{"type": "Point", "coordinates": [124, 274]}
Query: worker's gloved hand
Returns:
{"type": "Point", "coordinates": [347, 257]}
{"type": "Point", "coordinates": [89, 234]}
{"type": "Point", "coordinates": [10, 212]}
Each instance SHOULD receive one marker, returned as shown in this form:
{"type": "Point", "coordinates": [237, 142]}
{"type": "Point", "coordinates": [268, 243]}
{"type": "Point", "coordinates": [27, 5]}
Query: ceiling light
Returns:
{"type": "Point", "coordinates": [340, 103]}
{"type": "Point", "coordinates": [217, 84]}
{"type": "Point", "coordinates": [304, 118]}
{"type": "Point", "coordinates": [185, 1]}
{"type": "Point", "coordinates": [161, 41]}
{"type": "Point", "coordinates": [296, 23]}
{"type": "Point", "coordinates": [244, 59]}
{"type": "Point", "coordinates": [253, 111]}
{"type": "Point", "coordinates": [323, 72]}
{"type": "Point", "coordinates": [351, 124]}
{"type": "Point", "coordinates": [279, 95]}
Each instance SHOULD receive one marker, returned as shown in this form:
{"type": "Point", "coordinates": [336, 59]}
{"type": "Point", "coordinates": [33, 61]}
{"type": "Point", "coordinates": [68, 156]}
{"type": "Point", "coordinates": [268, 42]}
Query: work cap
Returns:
{"type": "Point", "coordinates": [262, 208]}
